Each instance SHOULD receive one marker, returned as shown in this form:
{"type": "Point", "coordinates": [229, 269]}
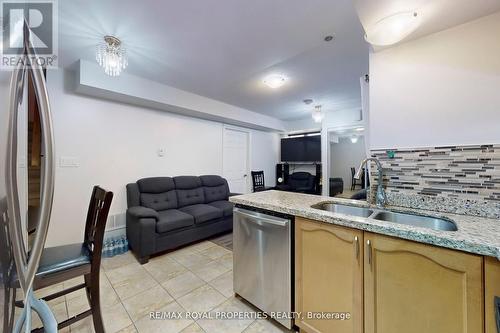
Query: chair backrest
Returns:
{"type": "Point", "coordinates": [97, 216]}
{"type": "Point", "coordinates": [257, 180]}
{"type": "Point", "coordinates": [353, 171]}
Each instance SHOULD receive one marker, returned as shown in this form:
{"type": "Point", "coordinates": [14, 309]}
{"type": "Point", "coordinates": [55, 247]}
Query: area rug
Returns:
{"type": "Point", "coordinates": [225, 241]}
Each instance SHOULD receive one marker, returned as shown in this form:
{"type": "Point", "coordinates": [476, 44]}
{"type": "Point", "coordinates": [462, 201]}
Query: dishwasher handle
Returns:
{"type": "Point", "coordinates": [256, 216]}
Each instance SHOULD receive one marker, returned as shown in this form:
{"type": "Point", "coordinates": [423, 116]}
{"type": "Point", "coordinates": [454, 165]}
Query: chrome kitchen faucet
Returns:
{"type": "Point", "coordinates": [381, 198]}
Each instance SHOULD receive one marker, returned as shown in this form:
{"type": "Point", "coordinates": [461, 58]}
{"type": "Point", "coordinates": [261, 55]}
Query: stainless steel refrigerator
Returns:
{"type": "Point", "coordinates": [23, 229]}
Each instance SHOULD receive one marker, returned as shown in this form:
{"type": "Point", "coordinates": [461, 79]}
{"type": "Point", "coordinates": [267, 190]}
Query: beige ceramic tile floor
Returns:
{"type": "Point", "coordinates": [194, 278]}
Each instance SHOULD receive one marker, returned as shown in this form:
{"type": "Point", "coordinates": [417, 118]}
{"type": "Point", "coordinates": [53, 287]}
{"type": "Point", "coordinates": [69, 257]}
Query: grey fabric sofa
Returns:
{"type": "Point", "coordinates": [165, 213]}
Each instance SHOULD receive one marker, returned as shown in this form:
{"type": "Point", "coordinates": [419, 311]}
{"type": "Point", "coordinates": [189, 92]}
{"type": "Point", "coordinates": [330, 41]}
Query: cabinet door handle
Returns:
{"type": "Point", "coordinates": [369, 249]}
{"type": "Point", "coordinates": [497, 312]}
{"type": "Point", "coordinates": [356, 244]}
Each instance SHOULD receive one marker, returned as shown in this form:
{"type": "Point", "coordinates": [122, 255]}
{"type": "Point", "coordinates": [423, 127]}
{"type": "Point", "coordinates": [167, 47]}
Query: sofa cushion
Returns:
{"type": "Point", "coordinates": [187, 182]}
{"type": "Point", "coordinates": [202, 213]}
{"type": "Point", "coordinates": [156, 184]}
{"type": "Point", "coordinates": [212, 180]}
{"type": "Point", "coordinates": [159, 201]}
{"type": "Point", "coordinates": [215, 188]}
{"type": "Point", "coordinates": [215, 193]}
{"type": "Point", "coordinates": [224, 205]}
{"type": "Point", "coordinates": [133, 195]}
{"type": "Point", "coordinates": [173, 219]}
{"type": "Point", "coordinates": [157, 193]}
{"type": "Point", "coordinates": [189, 190]}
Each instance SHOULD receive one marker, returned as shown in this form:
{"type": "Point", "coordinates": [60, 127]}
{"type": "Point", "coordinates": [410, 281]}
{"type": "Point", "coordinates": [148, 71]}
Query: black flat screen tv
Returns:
{"type": "Point", "coordinates": [301, 149]}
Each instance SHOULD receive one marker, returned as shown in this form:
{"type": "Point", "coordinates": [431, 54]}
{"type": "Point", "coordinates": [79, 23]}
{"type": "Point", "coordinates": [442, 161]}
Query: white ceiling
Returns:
{"type": "Point", "coordinates": [435, 15]}
{"type": "Point", "coordinates": [222, 48]}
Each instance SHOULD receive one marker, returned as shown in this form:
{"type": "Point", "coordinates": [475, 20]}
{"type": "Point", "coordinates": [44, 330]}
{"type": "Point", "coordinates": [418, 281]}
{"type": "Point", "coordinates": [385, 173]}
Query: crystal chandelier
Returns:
{"type": "Point", "coordinates": [112, 56]}
{"type": "Point", "coordinates": [317, 115]}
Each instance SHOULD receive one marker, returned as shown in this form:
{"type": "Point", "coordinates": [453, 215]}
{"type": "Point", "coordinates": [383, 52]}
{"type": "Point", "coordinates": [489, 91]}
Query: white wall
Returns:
{"type": "Point", "coordinates": [343, 156]}
{"type": "Point", "coordinates": [117, 143]}
{"type": "Point", "coordinates": [443, 89]}
{"type": "Point", "coordinates": [265, 154]}
{"type": "Point", "coordinates": [142, 92]}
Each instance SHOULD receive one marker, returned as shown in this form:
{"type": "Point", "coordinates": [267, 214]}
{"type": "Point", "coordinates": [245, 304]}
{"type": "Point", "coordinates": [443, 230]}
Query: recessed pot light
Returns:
{"type": "Point", "coordinates": [274, 81]}
{"type": "Point", "coordinates": [393, 28]}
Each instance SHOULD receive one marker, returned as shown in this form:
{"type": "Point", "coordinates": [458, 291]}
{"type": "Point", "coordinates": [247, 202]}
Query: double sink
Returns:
{"type": "Point", "coordinates": [388, 216]}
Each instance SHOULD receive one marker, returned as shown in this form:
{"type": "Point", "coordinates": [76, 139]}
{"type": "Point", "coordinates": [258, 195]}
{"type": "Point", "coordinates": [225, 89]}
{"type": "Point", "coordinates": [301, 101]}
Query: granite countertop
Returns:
{"type": "Point", "coordinates": [476, 235]}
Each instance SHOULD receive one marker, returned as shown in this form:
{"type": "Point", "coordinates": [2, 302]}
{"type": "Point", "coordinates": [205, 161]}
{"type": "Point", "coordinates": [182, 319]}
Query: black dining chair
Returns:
{"type": "Point", "coordinates": [259, 182]}
{"type": "Point", "coordinates": [62, 263]}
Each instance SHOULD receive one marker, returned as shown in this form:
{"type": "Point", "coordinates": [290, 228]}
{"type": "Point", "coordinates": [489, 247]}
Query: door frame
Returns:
{"type": "Point", "coordinates": [249, 150]}
{"type": "Point", "coordinates": [325, 145]}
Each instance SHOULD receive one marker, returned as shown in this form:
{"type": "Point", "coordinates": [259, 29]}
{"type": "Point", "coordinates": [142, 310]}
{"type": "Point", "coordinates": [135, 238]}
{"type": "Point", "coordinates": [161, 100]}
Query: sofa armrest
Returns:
{"type": "Point", "coordinates": [141, 234]}
{"type": "Point", "coordinates": [140, 212]}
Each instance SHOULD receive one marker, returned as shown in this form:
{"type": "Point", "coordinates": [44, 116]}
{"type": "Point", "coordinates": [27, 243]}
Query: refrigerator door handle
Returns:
{"type": "Point", "coordinates": [27, 267]}
{"type": "Point", "coordinates": [14, 211]}
{"type": "Point", "coordinates": [48, 175]}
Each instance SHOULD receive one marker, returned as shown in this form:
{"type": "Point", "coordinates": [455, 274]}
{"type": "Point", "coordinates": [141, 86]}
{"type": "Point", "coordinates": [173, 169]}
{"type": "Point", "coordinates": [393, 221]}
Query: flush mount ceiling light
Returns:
{"type": "Point", "coordinates": [354, 139]}
{"type": "Point", "coordinates": [112, 56]}
{"type": "Point", "coordinates": [317, 115]}
{"type": "Point", "coordinates": [393, 28]}
{"type": "Point", "coordinates": [274, 81]}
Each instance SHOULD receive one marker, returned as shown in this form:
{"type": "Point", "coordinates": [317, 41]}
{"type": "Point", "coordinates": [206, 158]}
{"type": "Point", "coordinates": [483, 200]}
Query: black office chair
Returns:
{"type": "Point", "coordinates": [258, 181]}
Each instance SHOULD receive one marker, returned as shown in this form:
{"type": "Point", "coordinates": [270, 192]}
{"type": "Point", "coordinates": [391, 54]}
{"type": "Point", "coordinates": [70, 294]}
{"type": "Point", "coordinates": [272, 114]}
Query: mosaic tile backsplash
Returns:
{"type": "Point", "coordinates": [455, 179]}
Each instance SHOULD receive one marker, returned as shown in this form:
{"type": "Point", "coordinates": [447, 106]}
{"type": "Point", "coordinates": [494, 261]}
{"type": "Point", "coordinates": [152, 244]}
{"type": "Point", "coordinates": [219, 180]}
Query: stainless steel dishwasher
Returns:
{"type": "Point", "coordinates": [263, 261]}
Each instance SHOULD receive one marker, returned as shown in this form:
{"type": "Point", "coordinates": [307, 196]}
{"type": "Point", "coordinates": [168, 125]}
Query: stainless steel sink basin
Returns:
{"type": "Point", "coordinates": [416, 220]}
{"type": "Point", "coordinates": [344, 209]}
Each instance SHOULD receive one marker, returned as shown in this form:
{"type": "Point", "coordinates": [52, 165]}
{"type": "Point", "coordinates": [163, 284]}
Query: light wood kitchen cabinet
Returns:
{"type": "Point", "coordinates": [414, 288]}
{"type": "Point", "coordinates": [328, 276]}
{"type": "Point", "coordinates": [491, 290]}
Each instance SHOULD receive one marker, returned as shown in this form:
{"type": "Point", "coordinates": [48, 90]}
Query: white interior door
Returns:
{"type": "Point", "coordinates": [235, 159]}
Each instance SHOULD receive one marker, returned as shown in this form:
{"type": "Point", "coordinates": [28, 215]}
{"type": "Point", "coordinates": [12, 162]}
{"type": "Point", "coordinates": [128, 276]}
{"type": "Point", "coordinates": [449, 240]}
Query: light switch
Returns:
{"type": "Point", "coordinates": [69, 162]}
